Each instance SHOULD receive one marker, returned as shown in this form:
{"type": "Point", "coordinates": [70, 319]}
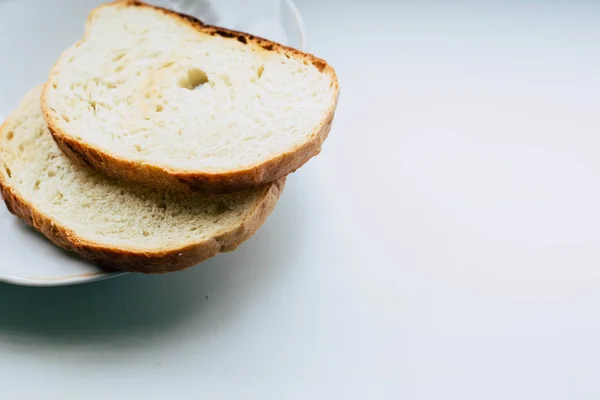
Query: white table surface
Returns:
{"type": "Point", "coordinates": [445, 245]}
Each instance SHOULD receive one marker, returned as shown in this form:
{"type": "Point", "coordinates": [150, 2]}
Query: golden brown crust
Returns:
{"type": "Point", "coordinates": [130, 260]}
{"type": "Point", "coordinates": [203, 182]}
{"type": "Point", "coordinates": [154, 176]}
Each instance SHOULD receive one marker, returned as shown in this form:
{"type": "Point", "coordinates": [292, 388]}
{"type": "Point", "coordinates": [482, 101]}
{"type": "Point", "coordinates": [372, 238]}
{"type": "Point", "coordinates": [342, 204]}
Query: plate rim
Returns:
{"type": "Point", "coordinates": [60, 281]}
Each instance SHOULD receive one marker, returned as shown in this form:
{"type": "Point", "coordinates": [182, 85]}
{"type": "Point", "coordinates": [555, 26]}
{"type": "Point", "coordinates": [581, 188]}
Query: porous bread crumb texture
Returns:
{"type": "Point", "coordinates": [146, 87]}
{"type": "Point", "coordinates": [101, 210]}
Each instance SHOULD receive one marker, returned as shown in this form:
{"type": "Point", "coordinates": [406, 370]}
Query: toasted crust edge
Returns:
{"type": "Point", "coordinates": [130, 260]}
{"type": "Point", "coordinates": [202, 182]}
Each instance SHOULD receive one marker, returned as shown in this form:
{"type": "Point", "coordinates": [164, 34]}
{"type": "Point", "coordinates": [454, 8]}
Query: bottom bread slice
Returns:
{"type": "Point", "coordinates": [117, 224]}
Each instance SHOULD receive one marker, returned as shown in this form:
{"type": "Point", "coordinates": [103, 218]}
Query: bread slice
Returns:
{"type": "Point", "coordinates": [157, 97]}
{"type": "Point", "coordinates": [117, 225]}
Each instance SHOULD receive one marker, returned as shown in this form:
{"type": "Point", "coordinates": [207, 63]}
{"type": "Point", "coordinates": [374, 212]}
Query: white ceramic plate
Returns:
{"type": "Point", "coordinates": [32, 35]}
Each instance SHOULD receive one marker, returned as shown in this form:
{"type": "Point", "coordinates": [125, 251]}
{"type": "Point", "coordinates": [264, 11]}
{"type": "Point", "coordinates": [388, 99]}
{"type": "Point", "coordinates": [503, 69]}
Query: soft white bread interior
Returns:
{"type": "Point", "coordinates": [116, 224]}
{"type": "Point", "coordinates": [159, 98]}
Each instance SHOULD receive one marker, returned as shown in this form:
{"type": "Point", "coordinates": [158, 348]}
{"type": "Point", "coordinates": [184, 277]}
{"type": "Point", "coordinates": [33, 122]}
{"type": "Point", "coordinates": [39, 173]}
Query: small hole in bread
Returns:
{"type": "Point", "coordinates": [8, 172]}
{"type": "Point", "coordinates": [51, 174]}
{"type": "Point", "coordinates": [159, 108]}
{"type": "Point", "coordinates": [195, 78]}
{"type": "Point", "coordinates": [10, 135]}
{"type": "Point", "coordinates": [218, 208]}
{"type": "Point", "coordinates": [37, 185]}
{"type": "Point", "coordinates": [146, 233]}
{"type": "Point", "coordinates": [58, 199]}
{"type": "Point", "coordinates": [259, 71]}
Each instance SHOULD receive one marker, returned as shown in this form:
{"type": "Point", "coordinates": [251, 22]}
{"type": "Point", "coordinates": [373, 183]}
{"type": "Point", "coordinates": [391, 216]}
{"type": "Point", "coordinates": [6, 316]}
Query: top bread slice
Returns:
{"type": "Point", "coordinates": [117, 224]}
{"type": "Point", "coordinates": [157, 97]}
